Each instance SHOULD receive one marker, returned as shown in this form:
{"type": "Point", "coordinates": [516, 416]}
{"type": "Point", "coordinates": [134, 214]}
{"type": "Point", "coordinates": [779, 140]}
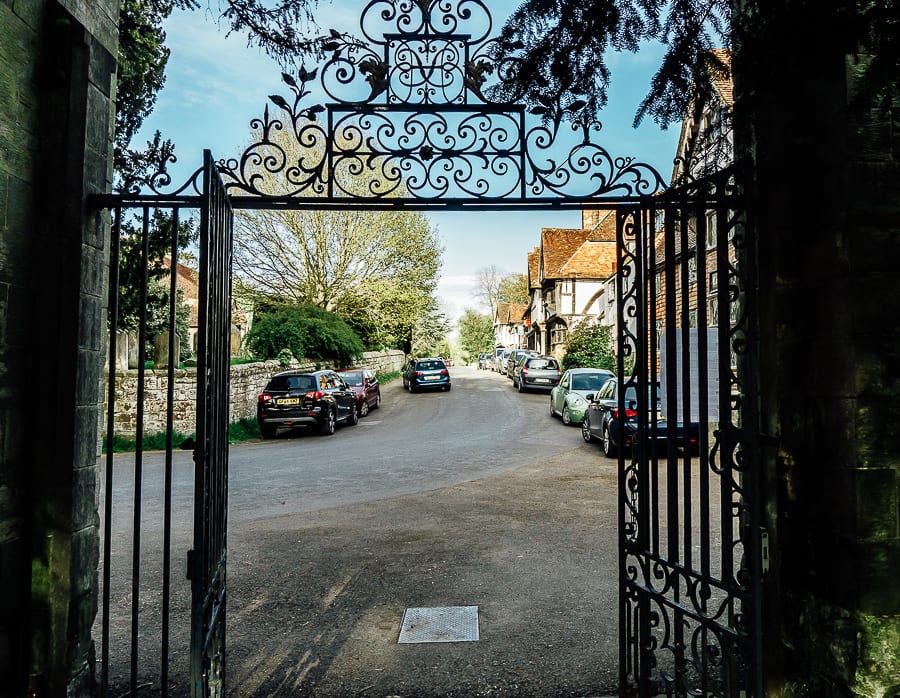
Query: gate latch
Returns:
{"type": "Point", "coordinates": [764, 551]}
{"type": "Point", "coordinates": [190, 564]}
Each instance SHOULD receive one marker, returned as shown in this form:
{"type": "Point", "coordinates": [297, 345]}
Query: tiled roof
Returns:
{"type": "Point", "coordinates": [510, 313]}
{"type": "Point", "coordinates": [558, 245]}
{"type": "Point", "coordinates": [605, 230]}
{"type": "Point", "coordinates": [595, 259]}
{"type": "Point", "coordinates": [724, 84]}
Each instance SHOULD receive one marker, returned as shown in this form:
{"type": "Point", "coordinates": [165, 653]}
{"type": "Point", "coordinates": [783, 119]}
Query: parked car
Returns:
{"type": "Point", "coordinates": [296, 399]}
{"type": "Point", "coordinates": [365, 384]}
{"type": "Point", "coordinates": [604, 421]}
{"type": "Point", "coordinates": [420, 374]}
{"type": "Point", "coordinates": [484, 361]}
{"type": "Point", "coordinates": [536, 373]}
{"type": "Point", "coordinates": [495, 358]}
{"type": "Point", "coordinates": [500, 360]}
{"type": "Point", "coordinates": [512, 359]}
{"type": "Point", "coordinates": [576, 388]}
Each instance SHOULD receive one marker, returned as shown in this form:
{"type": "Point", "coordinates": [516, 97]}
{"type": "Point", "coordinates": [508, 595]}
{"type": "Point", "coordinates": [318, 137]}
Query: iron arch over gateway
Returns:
{"type": "Point", "coordinates": [410, 114]}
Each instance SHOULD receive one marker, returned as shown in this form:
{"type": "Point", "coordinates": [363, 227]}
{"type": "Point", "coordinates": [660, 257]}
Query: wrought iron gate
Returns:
{"type": "Point", "coordinates": [691, 543]}
{"type": "Point", "coordinates": [413, 110]}
{"type": "Point", "coordinates": [206, 562]}
{"type": "Point", "coordinates": [149, 236]}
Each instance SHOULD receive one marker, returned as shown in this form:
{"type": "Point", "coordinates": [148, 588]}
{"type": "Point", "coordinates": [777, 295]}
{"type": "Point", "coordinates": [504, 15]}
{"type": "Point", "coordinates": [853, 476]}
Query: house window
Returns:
{"type": "Point", "coordinates": [611, 289]}
{"type": "Point", "coordinates": [659, 331]}
{"type": "Point", "coordinates": [692, 270]}
{"type": "Point", "coordinates": [658, 284]}
{"type": "Point", "coordinates": [692, 318]}
{"type": "Point", "coordinates": [713, 280]}
{"type": "Point", "coordinates": [565, 286]}
{"type": "Point", "coordinates": [711, 230]}
{"type": "Point", "coordinates": [713, 312]}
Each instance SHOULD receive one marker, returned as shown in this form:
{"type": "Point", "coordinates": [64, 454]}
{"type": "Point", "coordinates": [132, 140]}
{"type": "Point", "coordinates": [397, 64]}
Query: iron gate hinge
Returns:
{"type": "Point", "coordinates": [190, 564]}
{"type": "Point", "coordinates": [764, 551]}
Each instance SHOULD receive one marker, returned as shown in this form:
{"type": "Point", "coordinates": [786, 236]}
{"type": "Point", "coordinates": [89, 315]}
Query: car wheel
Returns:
{"type": "Point", "coordinates": [377, 401]}
{"type": "Point", "coordinates": [411, 389]}
{"type": "Point", "coordinates": [268, 430]}
{"type": "Point", "coordinates": [447, 388]}
{"type": "Point", "coordinates": [586, 430]}
{"type": "Point", "coordinates": [566, 417]}
{"type": "Point", "coordinates": [364, 408]}
{"type": "Point", "coordinates": [327, 427]}
{"type": "Point", "coordinates": [608, 449]}
{"type": "Point", "coordinates": [353, 420]}
{"type": "Point", "coordinates": [520, 387]}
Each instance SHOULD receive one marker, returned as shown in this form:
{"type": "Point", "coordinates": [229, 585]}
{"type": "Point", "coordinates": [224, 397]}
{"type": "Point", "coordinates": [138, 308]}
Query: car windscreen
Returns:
{"type": "Point", "coordinates": [430, 365]}
{"type": "Point", "coordinates": [354, 378]}
{"type": "Point", "coordinates": [292, 383]}
{"type": "Point", "coordinates": [588, 381]}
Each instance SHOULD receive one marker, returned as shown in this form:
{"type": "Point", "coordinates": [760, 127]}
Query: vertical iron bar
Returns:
{"type": "Point", "coordinates": [653, 310]}
{"type": "Point", "coordinates": [113, 314]}
{"type": "Point", "coordinates": [167, 495]}
{"type": "Point", "coordinates": [671, 306]}
{"type": "Point", "coordinates": [702, 428]}
{"type": "Point", "coordinates": [139, 451]}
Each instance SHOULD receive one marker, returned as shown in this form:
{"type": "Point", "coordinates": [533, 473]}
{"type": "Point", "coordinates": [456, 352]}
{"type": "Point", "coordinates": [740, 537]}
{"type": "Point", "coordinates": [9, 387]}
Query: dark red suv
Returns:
{"type": "Point", "coordinates": [295, 399]}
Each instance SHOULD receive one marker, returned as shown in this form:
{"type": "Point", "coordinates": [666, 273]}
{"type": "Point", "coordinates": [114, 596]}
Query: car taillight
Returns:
{"type": "Point", "coordinates": [265, 397]}
{"type": "Point", "coordinates": [419, 374]}
{"type": "Point", "coordinates": [629, 414]}
{"type": "Point", "coordinates": [524, 370]}
{"type": "Point", "coordinates": [445, 372]}
{"type": "Point", "coordinates": [315, 395]}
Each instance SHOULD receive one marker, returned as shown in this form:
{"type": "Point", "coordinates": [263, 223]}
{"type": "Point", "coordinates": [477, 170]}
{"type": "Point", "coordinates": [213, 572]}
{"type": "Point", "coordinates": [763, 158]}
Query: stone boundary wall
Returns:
{"type": "Point", "coordinates": [247, 381]}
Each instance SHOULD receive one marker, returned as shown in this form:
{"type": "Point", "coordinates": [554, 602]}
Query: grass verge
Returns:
{"type": "Point", "coordinates": [241, 430]}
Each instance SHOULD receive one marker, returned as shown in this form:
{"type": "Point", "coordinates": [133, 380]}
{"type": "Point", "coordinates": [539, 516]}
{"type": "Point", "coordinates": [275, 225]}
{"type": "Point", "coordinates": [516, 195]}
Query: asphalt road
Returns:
{"type": "Point", "coordinates": [473, 497]}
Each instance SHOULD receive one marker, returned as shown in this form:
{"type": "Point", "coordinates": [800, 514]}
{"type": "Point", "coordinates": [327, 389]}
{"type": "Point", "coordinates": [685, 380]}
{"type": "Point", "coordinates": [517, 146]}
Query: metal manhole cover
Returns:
{"type": "Point", "coordinates": [439, 624]}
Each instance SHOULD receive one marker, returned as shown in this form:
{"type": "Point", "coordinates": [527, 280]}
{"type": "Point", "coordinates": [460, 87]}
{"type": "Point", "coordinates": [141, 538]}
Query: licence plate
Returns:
{"type": "Point", "coordinates": [288, 401]}
{"type": "Point", "coordinates": [541, 380]}
{"type": "Point", "coordinates": [432, 378]}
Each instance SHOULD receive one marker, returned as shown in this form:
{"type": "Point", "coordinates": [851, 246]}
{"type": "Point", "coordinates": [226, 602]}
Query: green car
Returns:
{"type": "Point", "coordinates": [577, 386]}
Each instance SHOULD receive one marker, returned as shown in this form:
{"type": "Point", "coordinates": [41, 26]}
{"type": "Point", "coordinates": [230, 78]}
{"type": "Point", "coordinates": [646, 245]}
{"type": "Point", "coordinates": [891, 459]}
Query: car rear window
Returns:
{"type": "Point", "coordinates": [430, 365]}
{"type": "Point", "coordinates": [292, 383]}
{"type": "Point", "coordinates": [538, 364]}
{"type": "Point", "coordinates": [353, 378]}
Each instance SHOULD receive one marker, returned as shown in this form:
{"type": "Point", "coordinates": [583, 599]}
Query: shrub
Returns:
{"type": "Point", "coordinates": [307, 332]}
{"type": "Point", "coordinates": [590, 346]}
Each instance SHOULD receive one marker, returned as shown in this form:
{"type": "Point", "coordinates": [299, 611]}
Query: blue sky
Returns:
{"type": "Point", "coordinates": [216, 85]}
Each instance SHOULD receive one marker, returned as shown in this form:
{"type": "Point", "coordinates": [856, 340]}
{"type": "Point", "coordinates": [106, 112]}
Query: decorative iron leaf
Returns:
{"type": "Point", "coordinates": [330, 45]}
{"type": "Point", "coordinates": [538, 110]}
{"type": "Point", "coordinates": [335, 34]}
{"type": "Point", "coordinates": [280, 101]}
{"type": "Point", "coordinates": [577, 105]}
{"type": "Point", "coordinates": [545, 100]}
{"type": "Point", "coordinates": [289, 80]}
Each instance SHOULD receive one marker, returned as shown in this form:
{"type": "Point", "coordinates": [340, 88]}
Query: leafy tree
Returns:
{"type": "Point", "coordinates": [429, 331]}
{"type": "Point", "coordinates": [374, 268]}
{"type": "Point", "coordinates": [590, 346]}
{"type": "Point", "coordinates": [307, 332]}
{"type": "Point", "coordinates": [514, 288]}
{"type": "Point", "coordinates": [476, 334]}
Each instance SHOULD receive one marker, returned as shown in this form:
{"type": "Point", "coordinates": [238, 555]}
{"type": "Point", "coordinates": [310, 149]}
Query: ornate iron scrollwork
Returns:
{"type": "Point", "coordinates": [410, 119]}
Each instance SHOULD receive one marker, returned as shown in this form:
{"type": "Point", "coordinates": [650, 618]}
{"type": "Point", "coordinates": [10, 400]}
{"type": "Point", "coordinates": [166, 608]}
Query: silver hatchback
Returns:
{"type": "Point", "coordinates": [536, 373]}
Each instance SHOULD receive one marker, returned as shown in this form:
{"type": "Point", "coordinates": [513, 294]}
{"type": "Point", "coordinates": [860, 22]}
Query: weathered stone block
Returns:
{"type": "Point", "coordinates": [87, 380]}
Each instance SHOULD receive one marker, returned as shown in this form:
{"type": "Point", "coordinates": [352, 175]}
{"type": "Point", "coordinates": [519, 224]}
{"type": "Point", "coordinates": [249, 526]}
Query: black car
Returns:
{"type": "Point", "coordinates": [604, 421]}
{"type": "Point", "coordinates": [295, 399]}
{"type": "Point", "coordinates": [422, 374]}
